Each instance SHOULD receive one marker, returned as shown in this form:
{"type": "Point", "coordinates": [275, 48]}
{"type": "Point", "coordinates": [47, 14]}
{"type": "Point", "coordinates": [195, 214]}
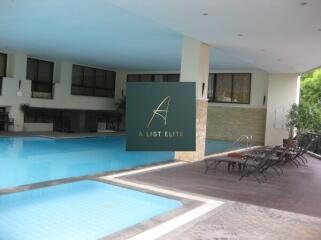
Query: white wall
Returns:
{"type": "Point", "coordinates": [17, 64]}
{"type": "Point", "coordinates": [283, 91]}
{"type": "Point", "coordinates": [38, 127]}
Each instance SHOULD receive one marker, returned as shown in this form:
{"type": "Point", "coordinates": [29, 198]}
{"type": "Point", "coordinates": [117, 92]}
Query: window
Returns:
{"type": "Point", "coordinates": [92, 82]}
{"type": "Point", "coordinates": [34, 115]}
{"type": "Point", "coordinates": [3, 68]}
{"type": "Point", "coordinates": [153, 78]}
{"type": "Point", "coordinates": [229, 87]}
{"type": "Point", "coordinates": [41, 74]}
{"type": "Point", "coordinates": [133, 78]}
{"type": "Point", "coordinates": [172, 78]}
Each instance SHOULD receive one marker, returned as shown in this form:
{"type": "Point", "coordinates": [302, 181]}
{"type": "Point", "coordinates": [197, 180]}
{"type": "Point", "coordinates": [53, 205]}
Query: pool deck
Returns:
{"type": "Point", "coordinates": [286, 207]}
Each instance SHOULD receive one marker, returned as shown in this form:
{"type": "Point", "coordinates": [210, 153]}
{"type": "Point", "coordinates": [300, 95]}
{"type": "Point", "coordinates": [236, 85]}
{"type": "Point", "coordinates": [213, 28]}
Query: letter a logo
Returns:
{"type": "Point", "coordinates": [161, 110]}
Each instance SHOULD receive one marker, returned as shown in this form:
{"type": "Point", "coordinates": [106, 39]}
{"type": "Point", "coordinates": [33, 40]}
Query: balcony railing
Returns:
{"type": "Point", "coordinates": [307, 137]}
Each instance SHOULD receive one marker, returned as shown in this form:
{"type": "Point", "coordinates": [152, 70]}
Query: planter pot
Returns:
{"type": "Point", "coordinates": [290, 143]}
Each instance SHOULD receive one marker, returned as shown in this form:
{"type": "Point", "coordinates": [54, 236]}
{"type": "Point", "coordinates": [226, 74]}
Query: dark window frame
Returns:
{"type": "Point", "coordinates": [4, 70]}
{"type": "Point", "coordinates": [36, 82]}
{"type": "Point", "coordinates": [232, 89]}
{"type": "Point", "coordinates": [94, 87]}
{"type": "Point", "coordinates": [165, 76]}
{"type": "Point", "coordinates": [34, 115]}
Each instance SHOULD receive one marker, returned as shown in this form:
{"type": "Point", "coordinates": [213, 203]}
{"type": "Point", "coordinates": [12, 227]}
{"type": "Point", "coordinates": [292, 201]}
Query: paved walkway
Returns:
{"type": "Point", "coordinates": [238, 221]}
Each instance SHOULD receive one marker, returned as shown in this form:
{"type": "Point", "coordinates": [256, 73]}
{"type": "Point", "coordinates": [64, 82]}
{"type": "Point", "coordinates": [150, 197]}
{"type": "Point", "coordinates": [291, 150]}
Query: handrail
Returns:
{"type": "Point", "coordinates": [247, 138]}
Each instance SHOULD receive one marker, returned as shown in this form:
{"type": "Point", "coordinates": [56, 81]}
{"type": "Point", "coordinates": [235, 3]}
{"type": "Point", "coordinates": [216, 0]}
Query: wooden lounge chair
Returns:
{"type": "Point", "coordinates": [257, 165]}
{"type": "Point", "coordinates": [231, 161]}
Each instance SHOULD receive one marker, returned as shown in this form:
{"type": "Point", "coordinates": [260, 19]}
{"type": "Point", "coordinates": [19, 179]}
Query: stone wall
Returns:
{"type": "Point", "coordinates": [201, 116]}
{"type": "Point", "coordinates": [228, 123]}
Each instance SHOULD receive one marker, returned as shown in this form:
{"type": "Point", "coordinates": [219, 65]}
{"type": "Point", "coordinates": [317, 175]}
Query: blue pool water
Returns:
{"type": "Point", "coordinates": [214, 146]}
{"type": "Point", "coordinates": [26, 160]}
{"type": "Point", "coordinates": [79, 211]}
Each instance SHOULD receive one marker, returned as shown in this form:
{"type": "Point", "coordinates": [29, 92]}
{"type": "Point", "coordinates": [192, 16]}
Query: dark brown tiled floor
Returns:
{"type": "Point", "coordinates": [298, 190]}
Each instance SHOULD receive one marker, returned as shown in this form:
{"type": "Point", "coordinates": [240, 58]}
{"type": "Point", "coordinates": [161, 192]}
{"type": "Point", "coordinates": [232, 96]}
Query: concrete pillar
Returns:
{"type": "Point", "coordinates": [283, 91]}
{"type": "Point", "coordinates": [120, 85]}
{"type": "Point", "coordinates": [18, 115]}
{"type": "Point", "coordinates": [195, 68]}
{"type": "Point", "coordinates": [17, 66]}
{"type": "Point", "coordinates": [17, 70]}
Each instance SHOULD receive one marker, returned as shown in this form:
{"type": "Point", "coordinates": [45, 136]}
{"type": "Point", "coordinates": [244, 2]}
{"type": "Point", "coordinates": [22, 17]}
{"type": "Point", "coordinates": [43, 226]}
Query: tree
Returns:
{"type": "Point", "coordinates": [310, 101]}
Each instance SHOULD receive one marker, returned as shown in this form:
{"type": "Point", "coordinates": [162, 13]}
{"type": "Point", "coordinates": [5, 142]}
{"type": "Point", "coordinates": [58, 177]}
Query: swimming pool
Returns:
{"type": "Point", "coordinates": [26, 160]}
{"type": "Point", "coordinates": [215, 146]}
{"type": "Point", "coordinates": [82, 210]}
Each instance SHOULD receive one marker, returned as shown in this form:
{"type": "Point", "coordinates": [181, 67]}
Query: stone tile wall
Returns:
{"type": "Point", "coordinates": [228, 123]}
{"type": "Point", "coordinates": [201, 119]}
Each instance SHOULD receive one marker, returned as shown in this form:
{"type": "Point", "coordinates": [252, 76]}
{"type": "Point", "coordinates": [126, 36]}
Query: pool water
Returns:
{"type": "Point", "coordinates": [26, 160]}
{"type": "Point", "coordinates": [82, 210]}
{"type": "Point", "coordinates": [215, 146]}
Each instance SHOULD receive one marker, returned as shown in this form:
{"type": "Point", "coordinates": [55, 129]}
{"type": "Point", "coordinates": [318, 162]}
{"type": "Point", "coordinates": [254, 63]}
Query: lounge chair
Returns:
{"type": "Point", "coordinates": [231, 161]}
{"type": "Point", "coordinates": [258, 164]}
{"type": "Point", "coordinates": [296, 156]}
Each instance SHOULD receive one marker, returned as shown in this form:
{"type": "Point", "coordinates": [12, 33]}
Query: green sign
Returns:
{"type": "Point", "coordinates": [160, 116]}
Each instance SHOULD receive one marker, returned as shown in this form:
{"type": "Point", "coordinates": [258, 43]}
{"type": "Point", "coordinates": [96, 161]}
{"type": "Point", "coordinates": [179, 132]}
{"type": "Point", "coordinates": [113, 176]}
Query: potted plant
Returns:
{"type": "Point", "coordinates": [292, 123]}
{"type": "Point", "coordinates": [121, 111]}
{"type": "Point", "coordinates": [24, 107]}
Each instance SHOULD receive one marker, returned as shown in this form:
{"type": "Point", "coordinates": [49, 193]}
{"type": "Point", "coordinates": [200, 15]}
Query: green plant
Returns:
{"type": "Point", "coordinates": [293, 119]}
{"type": "Point", "coordinates": [121, 106]}
{"type": "Point", "coordinates": [310, 101]}
{"type": "Point", "coordinates": [24, 107]}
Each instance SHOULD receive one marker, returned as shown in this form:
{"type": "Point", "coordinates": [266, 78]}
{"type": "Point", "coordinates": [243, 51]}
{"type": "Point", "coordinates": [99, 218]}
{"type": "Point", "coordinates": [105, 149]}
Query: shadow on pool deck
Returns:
{"type": "Point", "coordinates": [298, 190]}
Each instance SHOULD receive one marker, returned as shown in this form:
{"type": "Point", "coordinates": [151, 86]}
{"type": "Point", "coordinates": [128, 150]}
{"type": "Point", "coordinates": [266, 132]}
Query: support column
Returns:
{"type": "Point", "coordinates": [283, 91]}
{"type": "Point", "coordinates": [18, 117]}
{"type": "Point", "coordinates": [17, 69]}
{"type": "Point", "coordinates": [195, 68]}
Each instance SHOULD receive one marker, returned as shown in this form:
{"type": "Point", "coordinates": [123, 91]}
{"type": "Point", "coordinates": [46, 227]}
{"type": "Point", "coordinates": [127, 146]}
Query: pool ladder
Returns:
{"type": "Point", "coordinates": [247, 139]}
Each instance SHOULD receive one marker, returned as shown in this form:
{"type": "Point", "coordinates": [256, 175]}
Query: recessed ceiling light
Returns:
{"type": "Point", "coordinates": [279, 59]}
{"type": "Point", "coordinates": [303, 3]}
{"type": "Point", "coordinates": [205, 14]}
{"type": "Point", "coordinates": [240, 35]}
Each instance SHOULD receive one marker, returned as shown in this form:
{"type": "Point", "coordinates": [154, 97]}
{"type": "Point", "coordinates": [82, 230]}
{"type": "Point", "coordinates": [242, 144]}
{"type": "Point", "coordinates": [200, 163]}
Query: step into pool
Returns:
{"type": "Point", "coordinates": [81, 210]}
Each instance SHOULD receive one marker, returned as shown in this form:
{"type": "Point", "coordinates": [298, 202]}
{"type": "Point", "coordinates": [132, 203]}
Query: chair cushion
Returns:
{"type": "Point", "coordinates": [235, 155]}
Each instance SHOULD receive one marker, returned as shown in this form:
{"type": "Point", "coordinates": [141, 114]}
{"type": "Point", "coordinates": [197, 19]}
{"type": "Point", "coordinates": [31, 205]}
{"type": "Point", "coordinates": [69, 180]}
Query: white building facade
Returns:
{"type": "Point", "coordinates": [271, 96]}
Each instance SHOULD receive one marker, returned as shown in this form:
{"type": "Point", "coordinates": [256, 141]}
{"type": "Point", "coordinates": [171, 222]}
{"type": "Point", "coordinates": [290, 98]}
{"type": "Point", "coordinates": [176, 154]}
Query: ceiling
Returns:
{"type": "Point", "coordinates": [278, 36]}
